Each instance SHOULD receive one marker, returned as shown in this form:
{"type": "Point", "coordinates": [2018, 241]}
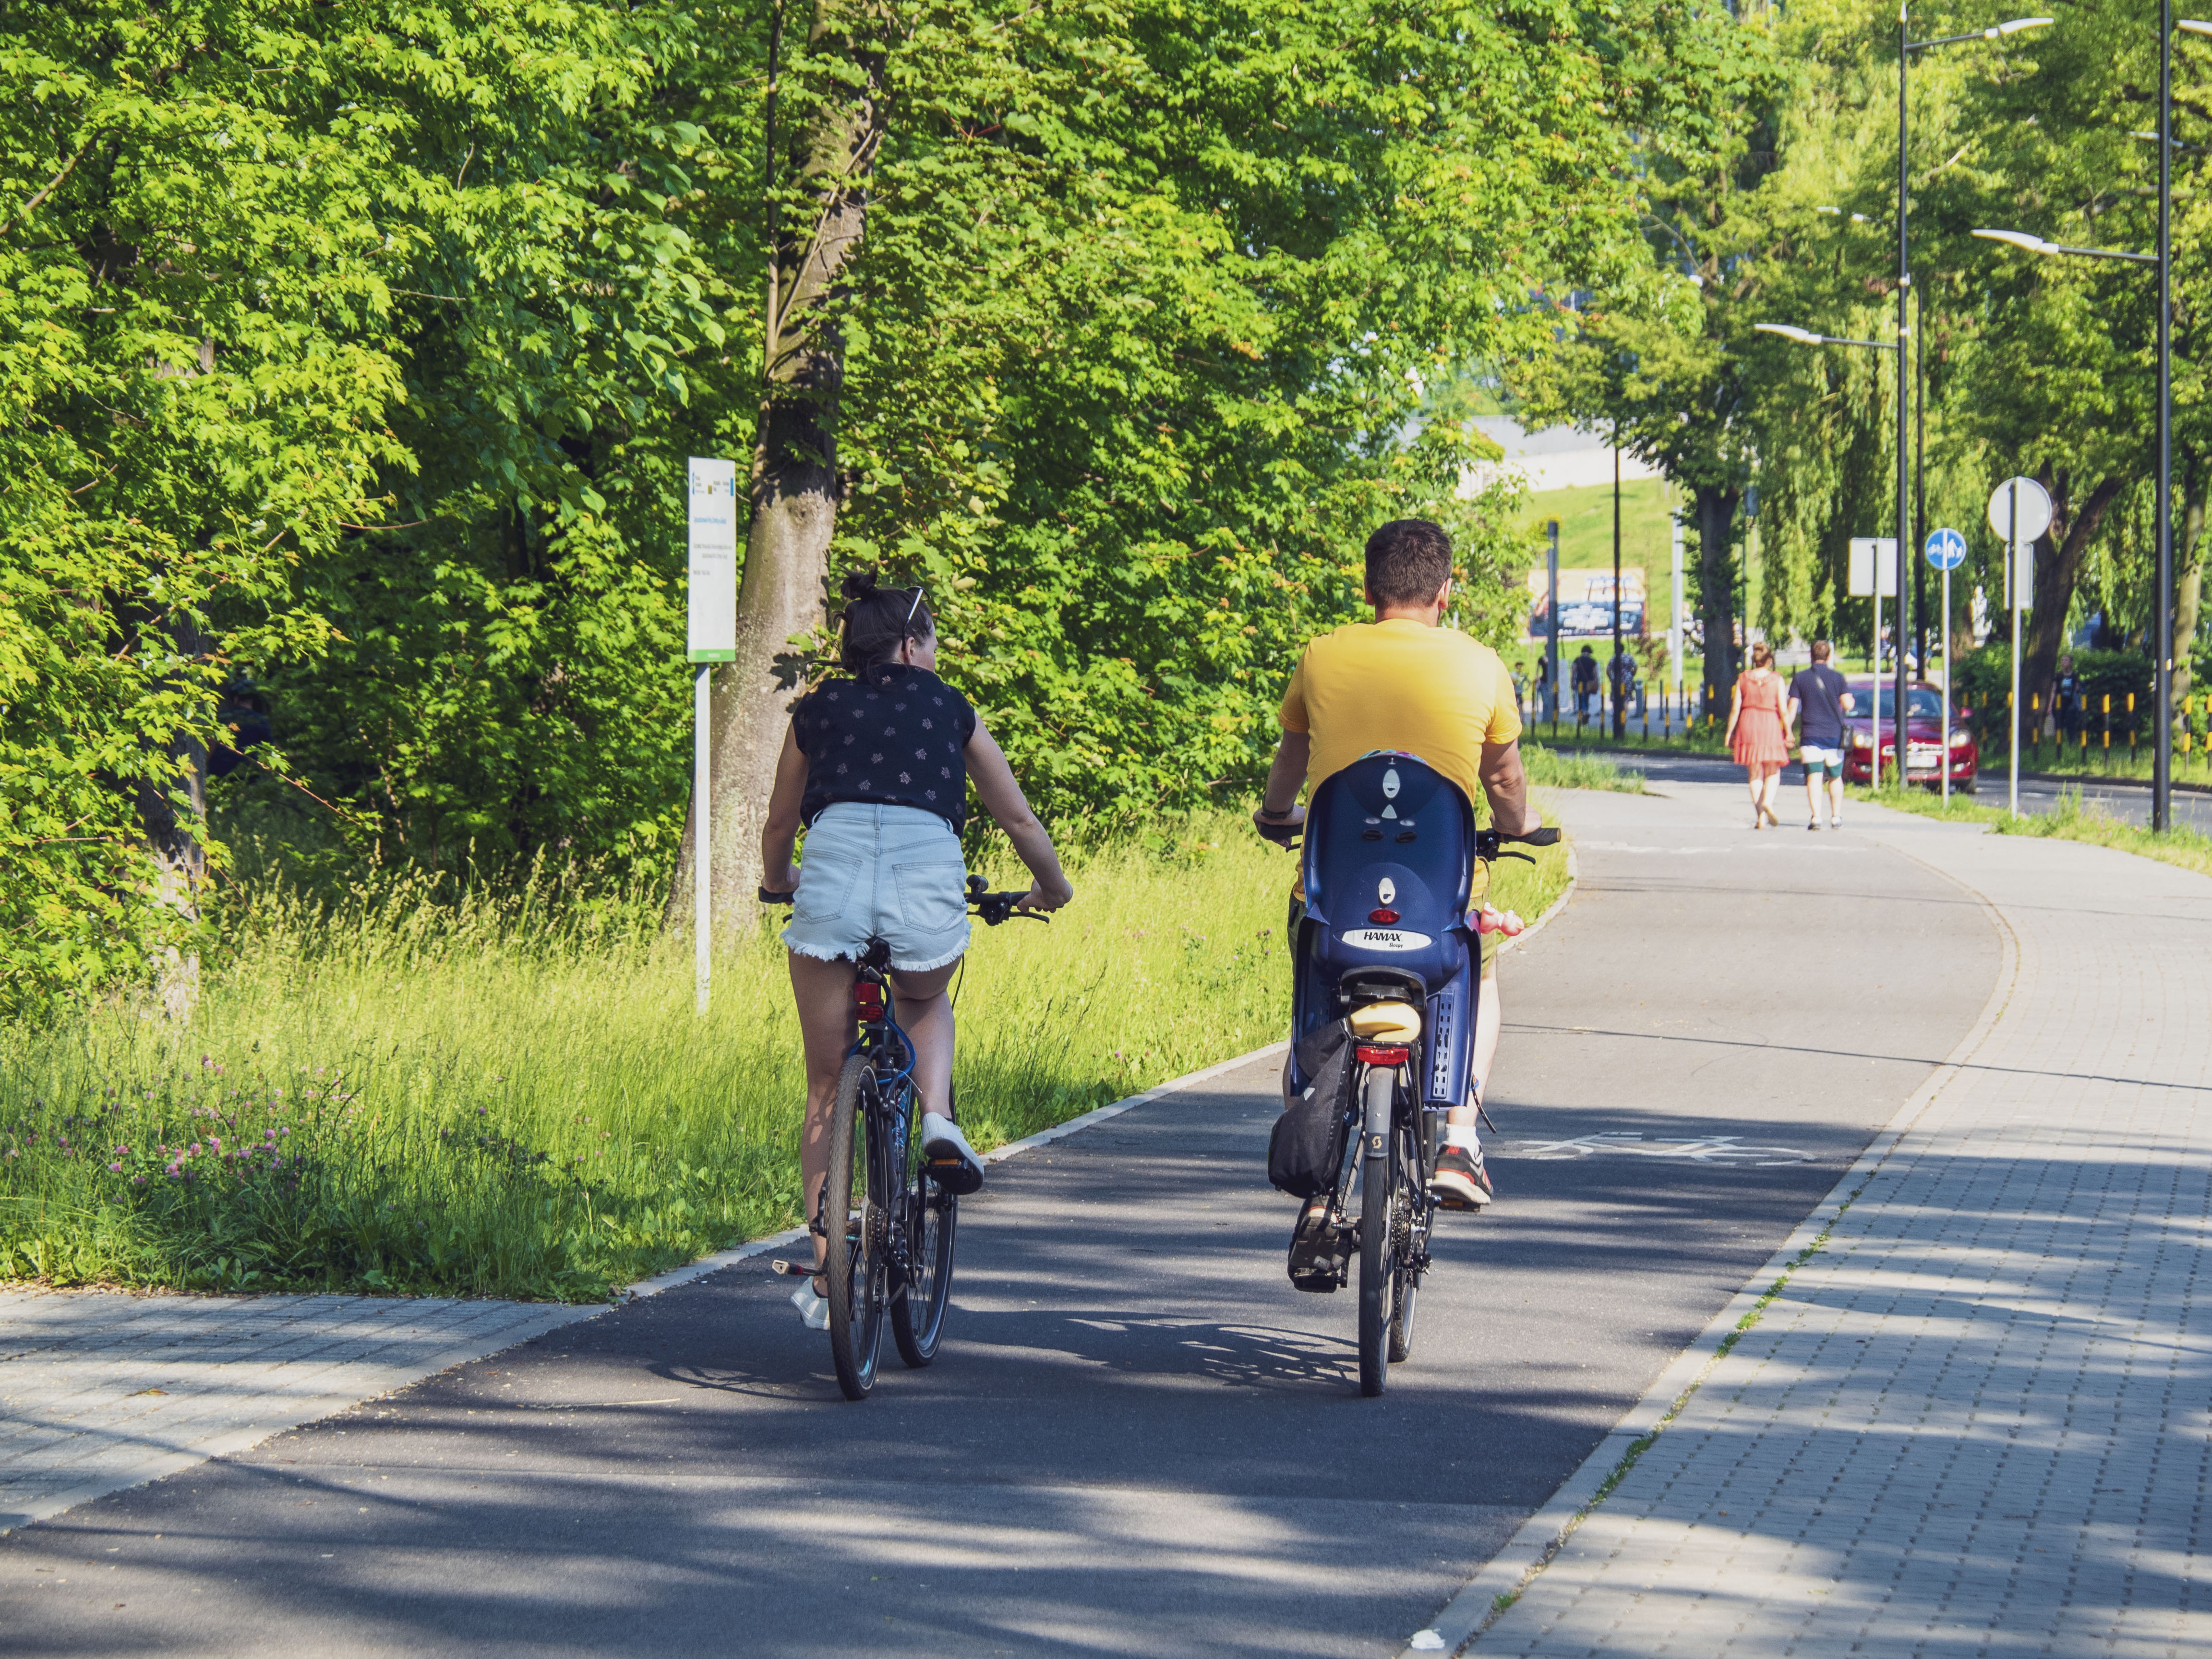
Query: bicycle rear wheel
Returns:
{"type": "Point", "coordinates": [1379, 1263]}
{"type": "Point", "coordinates": [852, 1216]}
{"type": "Point", "coordinates": [927, 1214]}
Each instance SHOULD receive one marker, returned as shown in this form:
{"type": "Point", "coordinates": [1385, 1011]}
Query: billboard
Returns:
{"type": "Point", "coordinates": [1586, 603]}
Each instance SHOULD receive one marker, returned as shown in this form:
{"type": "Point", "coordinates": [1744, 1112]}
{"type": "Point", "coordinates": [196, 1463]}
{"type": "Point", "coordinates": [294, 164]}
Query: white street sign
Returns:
{"type": "Point", "coordinates": [2035, 509]}
{"type": "Point", "coordinates": [712, 633]}
{"type": "Point", "coordinates": [1873, 558]}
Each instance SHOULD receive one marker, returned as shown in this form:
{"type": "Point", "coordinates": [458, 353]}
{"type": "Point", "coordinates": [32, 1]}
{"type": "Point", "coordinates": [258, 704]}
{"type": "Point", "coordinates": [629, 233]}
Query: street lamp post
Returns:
{"type": "Point", "coordinates": [1807, 336]}
{"type": "Point", "coordinates": [2162, 787]}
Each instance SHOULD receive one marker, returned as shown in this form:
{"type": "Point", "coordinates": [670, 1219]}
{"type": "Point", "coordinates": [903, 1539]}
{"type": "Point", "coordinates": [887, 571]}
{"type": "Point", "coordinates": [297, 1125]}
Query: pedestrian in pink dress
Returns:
{"type": "Point", "coordinates": [1758, 732]}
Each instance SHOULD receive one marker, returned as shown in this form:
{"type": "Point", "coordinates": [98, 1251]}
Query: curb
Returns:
{"type": "Point", "coordinates": [1574, 880]}
{"type": "Point", "coordinates": [1461, 1622]}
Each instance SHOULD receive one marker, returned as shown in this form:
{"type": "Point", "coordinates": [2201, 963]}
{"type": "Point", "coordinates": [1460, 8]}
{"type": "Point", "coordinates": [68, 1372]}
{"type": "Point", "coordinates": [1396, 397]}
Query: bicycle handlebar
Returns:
{"type": "Point", "coordinates": [1488, 843]}
{"type": "Point", "coordinates": [994, 908]}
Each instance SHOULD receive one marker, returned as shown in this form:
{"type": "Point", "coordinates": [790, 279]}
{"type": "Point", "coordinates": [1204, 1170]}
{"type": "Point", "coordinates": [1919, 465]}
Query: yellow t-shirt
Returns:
{"type": "Point", "coordinates": [1397, 684]}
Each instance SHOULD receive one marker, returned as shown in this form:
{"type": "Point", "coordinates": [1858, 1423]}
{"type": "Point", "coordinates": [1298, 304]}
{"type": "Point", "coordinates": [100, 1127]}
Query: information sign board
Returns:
{"type": "Point", "coordinates": [711, 632]}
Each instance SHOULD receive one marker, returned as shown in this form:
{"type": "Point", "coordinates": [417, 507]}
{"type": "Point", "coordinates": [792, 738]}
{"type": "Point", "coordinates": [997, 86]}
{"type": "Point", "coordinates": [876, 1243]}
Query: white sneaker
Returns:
{"type": "Point", "coordinates": [952, 1161]}
{"type": "Point", "coordinates": [814, 1310]}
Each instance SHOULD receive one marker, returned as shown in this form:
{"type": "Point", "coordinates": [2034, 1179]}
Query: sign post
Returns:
{"type": "Point", "coordinates": [1674, 610]}
{"type": "Point", "coordinates": [711, 637]}
{"type": "Point", "coordinates": [1874, 572]}
{"type": "Point", "coordinates": [1947, 551]}
{"type": "Point", "coordinates": [2019, 511]}
{"type": "Point", "coordinates": [1551, 619]}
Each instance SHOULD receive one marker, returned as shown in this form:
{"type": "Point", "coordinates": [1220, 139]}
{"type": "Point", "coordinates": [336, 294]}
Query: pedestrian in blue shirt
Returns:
{"type": "Point", "coordinates": [1818, 703]}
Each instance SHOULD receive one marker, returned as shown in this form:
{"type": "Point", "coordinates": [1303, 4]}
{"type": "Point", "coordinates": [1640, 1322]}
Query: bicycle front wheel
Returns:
{"type": "Point", "coordinates": [1378, 1254]}
{"type": "Point", "coordinates": [852, 1216]}
{"type": "Point", "coordinates": [927, 1216]}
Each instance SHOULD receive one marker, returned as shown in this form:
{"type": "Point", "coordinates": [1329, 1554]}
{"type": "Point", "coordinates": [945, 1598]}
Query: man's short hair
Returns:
{"type": "Point", "coordinates": [1408, 561]}
{"type": "Point", "coordinates": [1820, 651]}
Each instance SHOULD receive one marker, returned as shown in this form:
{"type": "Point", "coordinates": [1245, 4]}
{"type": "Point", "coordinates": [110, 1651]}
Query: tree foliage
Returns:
{"type": "Point", "coordinates": [352, 351]}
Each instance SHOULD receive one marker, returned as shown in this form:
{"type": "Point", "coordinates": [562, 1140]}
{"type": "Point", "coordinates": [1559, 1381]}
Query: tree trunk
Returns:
{"type": "Point", "coordinates": [2189, 582]}
{"type": "Point", "coordinates": [179, 857]}
{"type": "Point", "coordinates": [2057, 575]}
{"type": "Point", "coordinates": [794, 484]}
{"type": "Point", "coordinates": [1716, 513]}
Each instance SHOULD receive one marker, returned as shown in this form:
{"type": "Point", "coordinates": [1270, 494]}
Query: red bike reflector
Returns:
{"type": "Point", "coordinates": [1378, 1053]}
{"type": "Point", "coordinates": [869, 999]}
{"type": "Point", "coordinates": [1383, 918]}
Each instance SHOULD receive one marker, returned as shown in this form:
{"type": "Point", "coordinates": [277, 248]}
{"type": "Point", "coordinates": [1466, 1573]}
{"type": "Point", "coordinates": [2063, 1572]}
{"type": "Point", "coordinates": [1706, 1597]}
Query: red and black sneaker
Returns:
{"type": "Point", "coordinates": [1461, 1183]}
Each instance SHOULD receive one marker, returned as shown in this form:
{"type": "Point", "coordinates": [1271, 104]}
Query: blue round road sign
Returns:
{"type": "Point", "coordinates": [1946, 550]}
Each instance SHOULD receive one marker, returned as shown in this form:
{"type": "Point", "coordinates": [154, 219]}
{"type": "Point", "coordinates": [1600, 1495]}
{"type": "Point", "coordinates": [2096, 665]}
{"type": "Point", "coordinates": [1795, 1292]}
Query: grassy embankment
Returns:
{"type": "Point", "coordinates": [2070, 820]}
{"type": "Point", "coordinates": [511, 1094]}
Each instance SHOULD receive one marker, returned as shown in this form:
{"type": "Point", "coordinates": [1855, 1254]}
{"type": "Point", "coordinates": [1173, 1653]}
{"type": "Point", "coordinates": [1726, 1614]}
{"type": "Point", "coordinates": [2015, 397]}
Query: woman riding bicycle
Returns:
{"type": "Point", "coordinates": [876, 767]}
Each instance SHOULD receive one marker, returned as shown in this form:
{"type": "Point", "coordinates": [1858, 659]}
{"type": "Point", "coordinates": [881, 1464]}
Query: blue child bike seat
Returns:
{"type": "Point", "coordinates": [1389, 868]}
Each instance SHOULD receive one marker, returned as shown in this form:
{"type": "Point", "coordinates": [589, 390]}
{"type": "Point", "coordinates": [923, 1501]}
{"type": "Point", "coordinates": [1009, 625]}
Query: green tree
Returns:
{"type": "Point", "coordinates": [1662, 353]}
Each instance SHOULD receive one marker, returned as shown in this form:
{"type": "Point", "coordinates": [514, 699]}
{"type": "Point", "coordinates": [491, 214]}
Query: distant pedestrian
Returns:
{"type": "Point", "coordinates": [1620, 678]}
{"type": "Point", "coordinates": [2066, 697]}
{"type": "Point", "coordinates": [1586, 682]}
{"type": "Point", "coordinates": [1818, 703]}
{"type": "Point", "coordinates": [1758, 732]}
{"type": "Point", "coordinates": [1520, 690]}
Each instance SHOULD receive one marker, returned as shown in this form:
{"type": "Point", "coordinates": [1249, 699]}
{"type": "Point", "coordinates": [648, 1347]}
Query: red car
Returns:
{"type": "Point", "coordinates": [1923, 737]}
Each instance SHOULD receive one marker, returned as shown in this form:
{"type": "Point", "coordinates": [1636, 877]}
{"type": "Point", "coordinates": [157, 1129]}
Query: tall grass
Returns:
{"type": "Point", "coordinates": [507, 1092]}
{"type": "Point", "coordinates": [1552, 768]}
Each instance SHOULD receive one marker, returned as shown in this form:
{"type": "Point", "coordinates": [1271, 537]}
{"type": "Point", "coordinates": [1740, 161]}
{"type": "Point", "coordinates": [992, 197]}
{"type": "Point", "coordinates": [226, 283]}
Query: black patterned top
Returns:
{"type": "Point", "coordinates": [893, 737]}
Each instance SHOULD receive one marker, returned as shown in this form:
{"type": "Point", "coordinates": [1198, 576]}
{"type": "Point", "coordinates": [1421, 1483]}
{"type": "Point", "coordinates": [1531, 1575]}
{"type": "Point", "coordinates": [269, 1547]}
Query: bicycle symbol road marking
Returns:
{"type": "Point", "coordinates": [1695, 1149]}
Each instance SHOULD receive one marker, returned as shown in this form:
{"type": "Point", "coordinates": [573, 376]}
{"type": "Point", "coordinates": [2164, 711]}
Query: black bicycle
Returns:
{"type": "Point", "coordinates": [1381, 1203]}
{"type": "Point", "coordinates": [885, 1214]}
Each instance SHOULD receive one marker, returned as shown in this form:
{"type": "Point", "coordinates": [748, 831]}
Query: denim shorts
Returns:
{"type": "Point", "coordinates": [894, 873]}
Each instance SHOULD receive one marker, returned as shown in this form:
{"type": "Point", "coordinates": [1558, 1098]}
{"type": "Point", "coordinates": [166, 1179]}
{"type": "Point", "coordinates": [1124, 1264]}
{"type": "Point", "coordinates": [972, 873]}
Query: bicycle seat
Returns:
{"type": "Point", "coordinates": [1389, 868]}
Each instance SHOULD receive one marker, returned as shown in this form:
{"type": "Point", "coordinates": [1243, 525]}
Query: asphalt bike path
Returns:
{"type": "Point", "coordinates": [1138, 1437]}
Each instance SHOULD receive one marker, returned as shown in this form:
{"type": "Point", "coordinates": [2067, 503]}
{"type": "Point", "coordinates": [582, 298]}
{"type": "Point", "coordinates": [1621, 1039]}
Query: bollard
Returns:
{"type": "Point", "coordinates": [2131, 724]}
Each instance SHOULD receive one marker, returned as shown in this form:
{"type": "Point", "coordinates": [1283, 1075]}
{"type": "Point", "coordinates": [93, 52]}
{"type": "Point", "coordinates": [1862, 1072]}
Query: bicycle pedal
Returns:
{"type": "Point", "coordinates": [1321, 1252]}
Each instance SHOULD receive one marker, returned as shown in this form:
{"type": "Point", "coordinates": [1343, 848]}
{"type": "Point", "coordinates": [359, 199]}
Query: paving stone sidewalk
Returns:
{"type": "Point", "coordinates": [1979, 1421]}
{"type": "Point", "coordinates": [100, 1391]}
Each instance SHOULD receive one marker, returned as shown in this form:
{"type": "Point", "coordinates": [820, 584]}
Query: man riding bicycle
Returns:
{"type": "Point", "coordinates": [1403, 682]}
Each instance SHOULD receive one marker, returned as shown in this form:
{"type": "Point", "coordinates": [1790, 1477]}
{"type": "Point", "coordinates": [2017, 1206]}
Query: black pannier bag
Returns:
{"type": "Point", "coordinates": [1306, 1148]}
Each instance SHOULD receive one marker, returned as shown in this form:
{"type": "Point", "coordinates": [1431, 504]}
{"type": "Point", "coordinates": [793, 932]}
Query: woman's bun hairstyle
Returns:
{"type": "Point", "coordinates": [878, 621]}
